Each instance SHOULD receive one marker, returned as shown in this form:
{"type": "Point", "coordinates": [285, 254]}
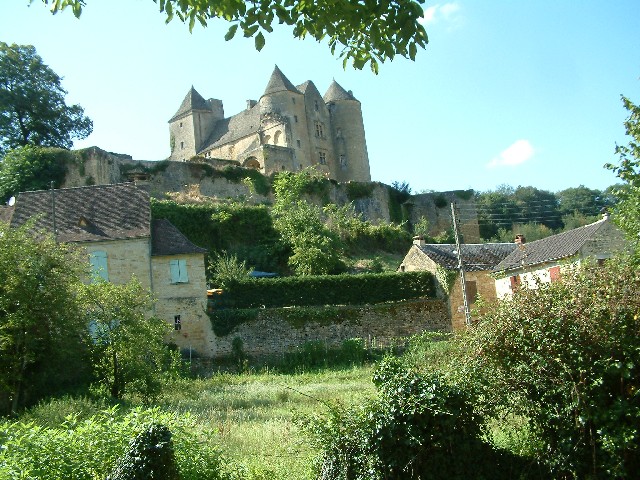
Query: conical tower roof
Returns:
{"type": "Point", "coordinates": [336, 92]}
{"type": "Point", "coordinates": [279, 83]}
{"type": "Point", "coordinates": [192, 101]}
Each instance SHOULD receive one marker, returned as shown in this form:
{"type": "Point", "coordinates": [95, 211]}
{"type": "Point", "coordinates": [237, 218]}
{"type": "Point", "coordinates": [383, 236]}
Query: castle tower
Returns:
{"type": "Point", "coordinates": [348, 135]}
{"type": "Point", "coordinates": [282, 117]}
{"type": "Point", "coordinates": [319, 129]}
{"type": "Point", "coordinates": [192, 124]}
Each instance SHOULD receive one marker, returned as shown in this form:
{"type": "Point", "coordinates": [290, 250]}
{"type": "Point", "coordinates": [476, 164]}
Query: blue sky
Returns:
{"type": "Point", "coordinates": [505, 93]}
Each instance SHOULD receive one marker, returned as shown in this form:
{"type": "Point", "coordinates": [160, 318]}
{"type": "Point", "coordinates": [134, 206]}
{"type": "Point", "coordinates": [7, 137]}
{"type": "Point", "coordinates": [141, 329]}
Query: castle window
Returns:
{"type": "Point", "coordinates": [319, 129]}
{"type": "Point", "coordinates": [323, 158]}
{"type": "Point", "coordinates": [295, 118]}
{"type": "Point", "coordinates": [298, 143]}
{"type": "Point", "coordinates": [343, 161]}
{"type": "Point", "coordinates": [293, 100]}
{"type": "Point", "coordinates": [276, 137]}
{"type": "Point", "coordinates": [177, 323]}
{"type": "Point", "coordinates": [180, 124]}
{"type": "Point", "coordinates": [182, 145]}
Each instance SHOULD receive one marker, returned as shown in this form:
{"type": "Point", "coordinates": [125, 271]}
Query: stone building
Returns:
{"type": "Point", "coordinates": [478, 261]}
{"type": "Point", "coordinates": [288, 128]}
{"type": "Point", "coordinates": [545, 260]}
{"type": "Point", "coordinates": [112, 223]}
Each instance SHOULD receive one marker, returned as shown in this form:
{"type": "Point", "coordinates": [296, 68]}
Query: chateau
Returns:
{"type": "Point", "coordinates": [288, 128]}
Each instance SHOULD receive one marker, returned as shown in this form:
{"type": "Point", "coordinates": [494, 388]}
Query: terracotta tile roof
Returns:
{"type": "Point", "coordinates": [555, 247]}
{"type": "Point", "coordinates": [166, 239]}
{"type": "Point", "coordinates": [475, 256]}
{"type": "Point", "coordinates": [86, 214]}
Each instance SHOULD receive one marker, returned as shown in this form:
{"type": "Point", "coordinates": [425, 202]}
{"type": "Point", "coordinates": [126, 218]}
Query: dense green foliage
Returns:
{"type": "Point", "coordinates": [149, 455]}
{"type": "Point", "coordinates": [536, 213]}
{"type": "Point", "coordinates": [128, 353]}
{"type": "Point", "coordinates": [42, 329]}
{"type": "Point", "coordinates": [628, 170]}
{"type": "Point", "coordinates": [32, 106]}
{"type": "Point", "coordinates": [418, 427]}
{"type": "Point", "coordinates": [90, 448]}
{"type": "Point", "coordinates": [326, 290]}
{"type": "Point", "coordinates": [566, 355]}
{"type": "Point", "coordinates": [363, 32]}
{"type": "Point", "coordinates": [33, 168]}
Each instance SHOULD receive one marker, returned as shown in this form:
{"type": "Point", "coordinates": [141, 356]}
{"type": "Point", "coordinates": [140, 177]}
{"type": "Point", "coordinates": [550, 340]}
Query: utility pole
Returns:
{"type": "Point", "coordinates": [463, 283]}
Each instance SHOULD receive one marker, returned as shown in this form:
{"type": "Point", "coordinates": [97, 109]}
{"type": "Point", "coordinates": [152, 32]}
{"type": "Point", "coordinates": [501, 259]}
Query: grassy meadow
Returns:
{"type": "Point", "coordinates": [251, 418]}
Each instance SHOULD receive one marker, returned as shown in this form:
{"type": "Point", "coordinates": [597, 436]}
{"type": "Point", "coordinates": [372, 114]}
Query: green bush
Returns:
{"type": "Point", "coordinates": [566, 356]}
{"type": "Point", "coordinates": [362, 289]}
{"type": "Point", "coordinates": [90, 448]}
{"type": "Point", "coordinates": [150, 455]}
{"type": "Point", "coordinates": [419, 427]}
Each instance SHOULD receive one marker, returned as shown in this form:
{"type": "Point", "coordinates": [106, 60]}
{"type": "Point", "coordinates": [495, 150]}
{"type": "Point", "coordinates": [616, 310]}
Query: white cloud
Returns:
{"type": "Point", "coordinates": [516, 154]}
{"type": "Point", "coordinates": [438, 12]}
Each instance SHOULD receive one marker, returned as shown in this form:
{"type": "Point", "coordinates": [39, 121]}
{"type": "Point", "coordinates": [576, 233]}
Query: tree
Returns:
{"type": "Point", "coordinates": [316, 249]}
{"type": "Point", "coordinates": [627, 210]}
{"type": "Point", "coordinates": [566, 356]}
{"type": "Point", "coordinates": [32, 106]}
{"type": "Point", "coordinates": [363, 32]}
{"type": "Point", "coordinates": [581, 200]}
{"type": "Point", "coordinates": [32, 168]}
{"type": "Point", "coordinates": [127, 345]}
{"type": "Point", "coordinates": [42, 330]}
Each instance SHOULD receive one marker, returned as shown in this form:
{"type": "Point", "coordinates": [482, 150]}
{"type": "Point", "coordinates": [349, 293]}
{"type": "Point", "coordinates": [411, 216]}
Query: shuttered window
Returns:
{"type": "Point", "coordinates": [178, 269]}
{"type": "Point", "coordinates": [98, 261]}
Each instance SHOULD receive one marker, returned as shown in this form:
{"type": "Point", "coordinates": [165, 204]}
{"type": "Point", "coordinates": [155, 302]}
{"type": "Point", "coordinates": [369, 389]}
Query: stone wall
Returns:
{"type": "Point", "coordinates": [273, 333]}
{"type": "Point", "coordinates": [159, 178]}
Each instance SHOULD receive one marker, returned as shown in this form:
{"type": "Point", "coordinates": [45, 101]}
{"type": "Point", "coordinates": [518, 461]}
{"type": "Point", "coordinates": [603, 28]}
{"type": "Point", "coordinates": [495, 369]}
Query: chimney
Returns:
{"type": "Point", "coordinates": [419, 241]}
{"type": "Point", "coordinates": [520, 240]}
{"type": "Point", "coordinates": [251, 104]}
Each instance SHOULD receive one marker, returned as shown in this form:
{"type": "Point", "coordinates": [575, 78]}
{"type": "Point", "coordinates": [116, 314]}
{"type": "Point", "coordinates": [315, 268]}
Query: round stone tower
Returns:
{"type": "Point", "coordinates": [348, 134]}
{"type": "Point", "coordinates": [282, 104]}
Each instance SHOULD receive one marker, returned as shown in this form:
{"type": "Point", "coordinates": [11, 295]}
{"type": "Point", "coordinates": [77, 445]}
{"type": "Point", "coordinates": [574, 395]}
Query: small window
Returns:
{"type": "Point", "coordinates": [178, 269]}
{"type": "Point", "coordinates": [319, 129]}
{"type": "Point", "coordinates": [182, 145]}
{"type": "Point", "coordinates": [177, 323]}
{"type": "Point", "coordinates": [298, 143]}
{"type": "Point", "coordinates": [98, 261]}
{"type": "Point", "coordinates": [316, 106]}
{"type": "Point", "coordinates": [343, 161]}
{"type": "Point", "coordinates": [180, 124]}
{"type": "Point", "coordinates": [295, 118]}
{"type": "Point", "coordinates": [293, 100]}
{"type": "Point", "coordinates": [322, 158]}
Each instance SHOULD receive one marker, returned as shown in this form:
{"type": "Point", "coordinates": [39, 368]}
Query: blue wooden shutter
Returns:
{"type": "Point", "coordinates": [98, 261]}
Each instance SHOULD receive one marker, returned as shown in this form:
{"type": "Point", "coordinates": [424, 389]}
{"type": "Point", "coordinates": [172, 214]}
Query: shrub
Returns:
{"type": "Point", "coordinates": [566, 356]}
{"type": "Point", "coordinates": [418, 427]}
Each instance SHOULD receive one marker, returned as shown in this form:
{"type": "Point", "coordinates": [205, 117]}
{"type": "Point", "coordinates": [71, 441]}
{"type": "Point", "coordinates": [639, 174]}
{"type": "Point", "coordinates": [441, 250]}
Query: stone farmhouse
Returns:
{"type": "Point", "coordinates": [441, 259]}
{"type": "Point", "coordinates": [288, 128]}
{"type": "Point", "coordinates": [545, 260]}
{"type": "Point", "coordinates": [112, 223]}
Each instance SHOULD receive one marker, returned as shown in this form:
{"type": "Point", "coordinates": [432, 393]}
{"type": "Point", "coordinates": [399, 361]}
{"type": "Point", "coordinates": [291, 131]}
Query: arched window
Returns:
{"type": "Point", "coordinates": [276, 137]}
{"type": "Point", "coordinates": [252, 162]}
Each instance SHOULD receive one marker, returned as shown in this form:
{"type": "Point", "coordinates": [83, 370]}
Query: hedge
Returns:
{"type": "Point", "coordinates": [326, 290]}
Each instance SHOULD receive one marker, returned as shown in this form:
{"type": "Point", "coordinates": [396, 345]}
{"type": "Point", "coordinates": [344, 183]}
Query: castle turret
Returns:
{"type": "Point", "coordinates": [348, 135]}
{"type": "Point", "coordinates": [283, 120]}
{"type": "Point", "coordinates": [192, 124]}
